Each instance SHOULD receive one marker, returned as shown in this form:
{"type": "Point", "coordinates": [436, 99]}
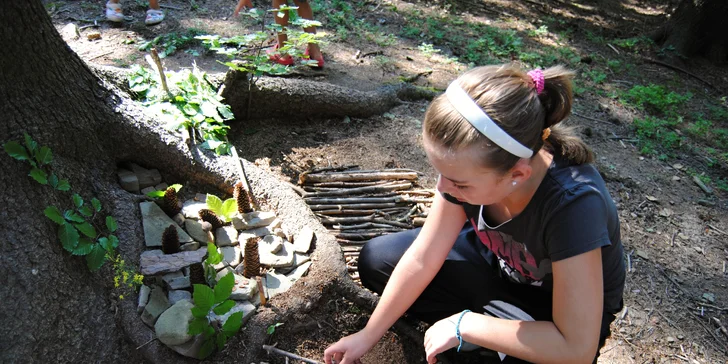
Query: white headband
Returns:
{"type": "Point", "coordinates": [477, 117]}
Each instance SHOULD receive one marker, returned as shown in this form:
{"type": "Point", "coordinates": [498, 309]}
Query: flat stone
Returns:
{"type": "Point", "coordinates": [225, 271]}
{"type": "Point", "coordinates": [175, 296]}
{"type": "Point", "coordinates": [172, 325]}
{"type": "Point", "coordinates": [254, 219]}
{"type": "Point", "coordinates": [246, 307]}
{"type": "Point", "coordinates": [226, 236]}
{"type": "Point", "coordinates": [276, 283]}
{"type": "Point", "coordinates": [155, 221]}
{"type": "Point", "coordinates": [147, 190]}
{"type": "Point", "coordinates": [191, 208]}
{"type": "Point", "coordinates": [299, 272]}
{"type": "Point", "coordinates": [190, 349]}
{"type": "Point", "coordinates": [244, 289]}
{"type": "Point", "coordinates": [283, 258]}
{"type": "Point", "coordinates": [144, 291]}
{"type": "Point", "coordinates": [128, 180]}
{"type": "Point", "coordinates": [230, 254]}
{"type": "Point", "coordinates": [179, 219]}
{"type": "Point", "coordinates": [194, 228]}
{"type": "Point", "coordinates": [176, 280]}
{"type": "Point", "coordinates": [262, 231]}
{"type": "Point", "coordinates": [271, 244]}
{"type": "Point", "coordinates": [190, 246]}
{"type": "Point", "coordinates": [302, 241]}
{"type": "Point", "coordinates": [157, 304]}
{"type": "Point", "coordinates": [161, 187]}
{"type": "Point", "coordinates": [154, 261]}
{"type": "Point", "coordinates": [298, 259]}
{"type": "Point", "coordinates": [643, 254]}
{"type": "Point", "coordinates": [280, 233]}
{"type": "Point", "coordinates": [70, 32]}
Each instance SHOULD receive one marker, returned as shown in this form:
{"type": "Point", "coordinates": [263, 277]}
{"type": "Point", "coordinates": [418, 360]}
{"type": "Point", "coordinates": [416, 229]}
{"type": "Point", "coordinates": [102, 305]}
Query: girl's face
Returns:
{"type": "Point", "coordinates": [462, 177]}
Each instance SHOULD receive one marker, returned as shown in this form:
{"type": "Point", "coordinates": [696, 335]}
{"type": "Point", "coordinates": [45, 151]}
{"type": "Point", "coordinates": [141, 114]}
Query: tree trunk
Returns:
{"type": "Point", "coordinates": [697, 27]}
{"type": "Point", "coordinates": [53, 308]}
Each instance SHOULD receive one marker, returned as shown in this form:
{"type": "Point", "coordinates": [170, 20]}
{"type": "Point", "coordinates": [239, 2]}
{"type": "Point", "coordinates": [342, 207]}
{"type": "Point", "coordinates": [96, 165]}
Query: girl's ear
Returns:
{"type": "Point", "coordinates": [521, 172]}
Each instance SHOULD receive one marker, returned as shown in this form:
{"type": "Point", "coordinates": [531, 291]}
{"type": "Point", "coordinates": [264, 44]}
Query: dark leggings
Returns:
{"type": "Point", "coordinates": [469, 279]}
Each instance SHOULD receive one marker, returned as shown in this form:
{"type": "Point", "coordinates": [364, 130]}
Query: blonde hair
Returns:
{"type": "Point", "coordinates": [508, 95]}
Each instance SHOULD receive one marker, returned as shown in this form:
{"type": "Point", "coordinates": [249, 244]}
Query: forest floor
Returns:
{"type": "Point", "coordinates": [654, 130]}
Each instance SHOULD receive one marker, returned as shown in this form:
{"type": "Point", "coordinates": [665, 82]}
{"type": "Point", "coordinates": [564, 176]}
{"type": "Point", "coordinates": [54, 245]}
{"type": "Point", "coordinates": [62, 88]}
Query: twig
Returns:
{"type": "Point", "coordinates": [270, 349]}
{"type": "Point", "coordinates": [298, 190]}
{"type": "Point", "coordinates": [100, 55]}
{"type": "Point", "coordinates": [142, 345]}
{"type": "Point", "coordinates": [702, 185]}
{"type": "Point", "coordinates": [614, 49]}
{"type": "Point", "coordinates": [590, 118]}
{"type": "Point", "coordinates": [241, 173]}
{"type": "Point", "coordinates": [158, 62]}
{"type": "Point", "coordinates": [356, 176]}
{"type": "Point", "coordinates": [261, 292]}
{"type": "Point", "coordinates": [650, 60]}
{"type": "Point", "coordinates": [170, 7]}
{"type": "Point", "coordinates": [717, 322]}
{"type": "Point", "coordinates": [718, 230]}
{"type": "Point", "coordinates": [369, 189]}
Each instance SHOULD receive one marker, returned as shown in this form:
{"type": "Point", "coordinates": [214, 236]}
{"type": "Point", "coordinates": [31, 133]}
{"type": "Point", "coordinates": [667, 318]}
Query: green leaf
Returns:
{"type": "Point", "coordinates": [85, 245]}
{"type": "Point", "coordinates": [114, 241]}
{"type": "Point", "coordinates": [203, 296]}
{"type": "Point", "coordinates": [68, 236]}
{"type": "Point", "coordinates": [224, 307]}
{"type": "Point", "coordinates": [86, 211]}
{"type": "Point", "coordinates": [176, 187]}
{"type": "Point", "coordinates": [220, 339]}
{"type": "Point", "coordinates": [104, 242]}
{"type": "Point", "coordinates": [63, 185]}
{"type": "Point", "coordinates": [225, 112]}
{"type": "Point", "coordinates": [209, 109]}
{"type": "Point", "coordinates": [272, 328]}
{"type": "Point", "coordinates": [224, 287]}
{"type": "Point", "coordinates": [44, 155]}
{"type": "Point", "coordinates": [233, 323]}
{"type": "Point", "coordinates": [77, 200]}
{"type": "Point", "coordinates": [17, 151]}
{"type": "Point", "coordinates": [70, 215]}
{"type": "Point", "coordinates": [199, 313]}
{"type": "Point", "coordinates": [54, 214]}
{"type": "Point", "coordinates": [30, 143]}
{"type": "Point", "coordinates": [207, 348]}
{"type": "Point", "coordinates": [214, 203]}
{"type": "Point", "coordinates": [189, 110]}
{"type": "Point", "coordinates": [95, 259]}
{"type": "Point", "coordinates": [197, 326]}
{"type": "Point", "coordinates": [53, 180]}
{"type": "Point", "coordinates": [111, 224]}
{"type": "Point", "coordinates": [39, 175]}
{"type": "Point", "coordinates": [213, 255]}
{"type": "Point", "coordinates": [229, 208]}
{"type": "Point", "coordinates": [87, 229]}
{"type": "Point", "coordinates": [96, 204]}
{"type": "Point", "coordinates": [155, 194]}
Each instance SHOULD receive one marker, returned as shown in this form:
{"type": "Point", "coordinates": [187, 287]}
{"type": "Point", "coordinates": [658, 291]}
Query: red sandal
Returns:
{"type": "Point", "coordinates": [320, 60]}
{"type": "Point", "coordinates": [276, 57]}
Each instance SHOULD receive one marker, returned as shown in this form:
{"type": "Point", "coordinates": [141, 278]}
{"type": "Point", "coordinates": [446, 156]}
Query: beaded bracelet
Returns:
{"type": "Point", "coordinates": [457, 329]}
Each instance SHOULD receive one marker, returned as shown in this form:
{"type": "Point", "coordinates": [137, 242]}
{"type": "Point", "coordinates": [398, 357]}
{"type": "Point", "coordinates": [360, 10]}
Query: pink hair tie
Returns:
{"type": "Point", "coordinates": [538, 79]}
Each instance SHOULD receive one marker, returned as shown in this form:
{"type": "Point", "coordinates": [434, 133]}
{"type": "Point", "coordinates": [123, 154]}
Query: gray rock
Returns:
{"type": "Point", "coordinates": [299, 272]}
{"type": "Point", "coordinates": [225, 271]}
{"type": "Point", "coordinates": [155, 221]}
{"type": "Point", "coordinates": [161, 187]}
{"type": "Point", "coordinates": [191, 348]}
{"type": "Point", "coordinates": [276, 283]}
{"type": "Point", "coordinates": [178, 295]}
{"type": "Point", "coordinates": [298, 259]}
{"type": "Point", "coordinates": [271, 243]}
{"type": "Point", "coordinates": [244, 289]}
{"type": "Point", "coordinates": [226, 236]}
{"type": "Point", "coordinates": [194, 228]}
{"type": "Point", "coordinates": [176, 280]}
{"type": "Point", "coordinates": [191, 209]}
{"type": "Point", "coordinates": [248, 234]}
{"type": "Point", "coordinates": [154, 261]}
{"type": "Point", "coordinates": [128, 180]}
{"type": "Point", "coordinates": [70, 32]}
{"type": "Point", "coordinates": [190, 246]}
{"type": "Point", "coordinates": [283, 258]}
{"type": "Point", "coordinates": [231, 255]}
{"type": "Point", "coordinates": [254, 219]}
{"type": "Point", "coordinates": [171, 327]}
{"type": "Point", "coordinates": [144, 291]}
{"type": "Point", "coordinates": [246, 307]}
{"type": "Point", "coordinates": [157, 304]}
{"type": "Point", "coordinates": [147, 190]}
{"type": "Point", "coordinates": [302, 241]}
{"type": "Point", "coordinates": [179, 219]}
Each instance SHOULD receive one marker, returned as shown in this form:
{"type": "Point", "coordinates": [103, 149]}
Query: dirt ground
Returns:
{"type": "Point", "coordinates": [674, 233]}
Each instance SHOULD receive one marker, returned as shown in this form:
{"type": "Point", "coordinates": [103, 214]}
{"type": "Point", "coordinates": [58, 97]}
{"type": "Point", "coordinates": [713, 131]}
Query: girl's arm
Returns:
{"type": "Point", "coordinates": [572, 337]}
{"type": "Point", "coordinates": [413, 273]}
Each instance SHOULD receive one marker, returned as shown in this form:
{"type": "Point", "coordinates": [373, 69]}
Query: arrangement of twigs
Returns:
{"type": "Point", "coordinates": [358, 205]}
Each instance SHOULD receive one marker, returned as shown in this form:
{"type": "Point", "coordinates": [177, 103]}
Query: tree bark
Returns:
{"type": "Point", "coordinates": [54, 309]}
{"type": "Point", "coordinates": [697, 27]}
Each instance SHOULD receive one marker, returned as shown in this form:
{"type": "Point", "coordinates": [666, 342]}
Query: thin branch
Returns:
{"type": "Point", "coordinates": [271, 349]}
{"type": "Point", "coordinates": [590, 118]}
{"type": "Point", "coordinates": [676, 68]}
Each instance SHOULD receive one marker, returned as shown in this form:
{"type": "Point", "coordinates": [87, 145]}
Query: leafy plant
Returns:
{"type": "Point", "coordinates": [656, 99]}
{"type": "Point", "coordinates": [226, 210]}
{"type": "Point", "coordinates": [40, 159]}
{"type": "Point", "coordinates": [428, 50]}
{"type": "Point", "coordinates": [209, 301]}
{"type": "Point", "coordinates": [169, 43]}
{"type": "Point", "coordinates": [272, 328]}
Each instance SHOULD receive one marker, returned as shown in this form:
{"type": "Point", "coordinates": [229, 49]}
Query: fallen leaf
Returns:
{"type": "Point", "coordinates": [643, 254]}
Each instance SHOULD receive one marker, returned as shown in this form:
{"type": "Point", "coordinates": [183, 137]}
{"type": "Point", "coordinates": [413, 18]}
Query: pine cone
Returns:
{"type": "Point", "coordinates": [197, 274]}
{"type": "Point", "coordinates": [211, 217]}
{"type": "Point", "coordinates": [170, 240]}
{"type": "Point", "coordinates": [170, 204]}
{"type": "Point", "coordinates": [251, 259]}
{"type": "Point", "coordinates": [243, 198]}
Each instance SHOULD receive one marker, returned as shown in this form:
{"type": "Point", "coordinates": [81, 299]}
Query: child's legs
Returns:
{"type": "Point", "coordinates": [305, 12]}
{"type": "Point", "coordinates": [282, 21]}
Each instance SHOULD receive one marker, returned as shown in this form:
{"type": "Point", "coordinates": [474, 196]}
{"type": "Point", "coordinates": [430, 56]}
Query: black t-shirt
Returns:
{"type": "Point", "coordinates": [571, 213]}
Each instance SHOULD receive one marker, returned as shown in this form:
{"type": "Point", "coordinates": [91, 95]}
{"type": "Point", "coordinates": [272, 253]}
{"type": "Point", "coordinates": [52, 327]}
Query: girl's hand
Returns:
{"type": "Point", "coordinates": [242, 4]}
{"type": "Point", "coordinates": [350, 349]}
{"type": "Point", "coordinates": [440, 337]}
